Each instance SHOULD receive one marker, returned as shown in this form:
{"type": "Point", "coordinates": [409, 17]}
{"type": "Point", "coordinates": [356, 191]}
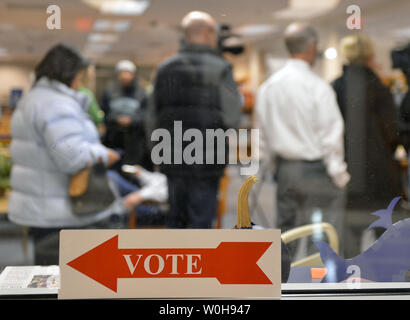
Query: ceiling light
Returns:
{"type": "Point", "coordinates": [330, 53]}
{"type": "Point", "coordinates": [109, 25]}
{"type": "Point", "coordinates": [102, 25]}
{"type": "Point", "coordinates": [302, 9]}
{"type": "Point", "coordinates": [256, 29]}
{"type": "Point", "coordinates": [121, 25]}
{"type": "Point", "coordinates": [120, 7]}
{"type": "Point", "coordinates": [124, 7]}
{"type": "Point", "coordinates": [102, 37]}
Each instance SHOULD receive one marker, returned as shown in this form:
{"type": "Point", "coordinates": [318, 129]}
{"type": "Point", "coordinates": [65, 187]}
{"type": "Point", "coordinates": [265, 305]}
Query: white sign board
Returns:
{"type": "Point", "coordinates": [187, 263]}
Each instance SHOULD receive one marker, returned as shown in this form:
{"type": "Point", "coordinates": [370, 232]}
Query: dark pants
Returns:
{"type": "Point", "coordinates": [47, 240]}
{"type": "Point", "coordinates": [306, 195]}
{"type": "Point", "coordinates": [193, 202]}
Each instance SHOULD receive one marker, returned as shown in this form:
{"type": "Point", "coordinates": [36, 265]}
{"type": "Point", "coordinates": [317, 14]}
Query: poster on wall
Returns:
{"type": "Point", "coordinates": [14, 97]}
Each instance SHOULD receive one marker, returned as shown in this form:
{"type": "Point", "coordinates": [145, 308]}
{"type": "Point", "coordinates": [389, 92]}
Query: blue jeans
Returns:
{"type": "Point", "coordinates": [125, 187]}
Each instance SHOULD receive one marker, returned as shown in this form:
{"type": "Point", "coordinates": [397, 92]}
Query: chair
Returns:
{"type": "Point", "coordinates": [132, 220]}
{"type": "Point", "coordinates": [221, 208]}
{"type": "Point", "coordinates": [307, 230]}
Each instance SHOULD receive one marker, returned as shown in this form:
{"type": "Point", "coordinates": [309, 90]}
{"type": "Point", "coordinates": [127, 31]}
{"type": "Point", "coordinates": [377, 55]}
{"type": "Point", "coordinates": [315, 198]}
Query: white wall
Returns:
{"type": "Point", "coordinates": [14, 76]}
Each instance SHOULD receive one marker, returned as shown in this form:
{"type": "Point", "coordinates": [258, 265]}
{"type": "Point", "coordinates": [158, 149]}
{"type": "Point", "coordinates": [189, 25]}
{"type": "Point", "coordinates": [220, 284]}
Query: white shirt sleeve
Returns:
{"type": "Point", "coordinates": [154, 186]}
{"type": "Point", "coordinates": [330, 127]}
{"type": "Point", "coordinates": [258, 123]}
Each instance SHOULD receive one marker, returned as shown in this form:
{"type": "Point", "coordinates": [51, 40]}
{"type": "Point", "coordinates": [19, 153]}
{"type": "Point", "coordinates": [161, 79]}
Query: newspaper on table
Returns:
{"type": "Point", "coordinates": [30, 280]}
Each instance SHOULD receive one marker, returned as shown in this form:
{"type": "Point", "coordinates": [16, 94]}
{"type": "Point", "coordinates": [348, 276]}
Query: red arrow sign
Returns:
{"type": "Point", "coordinates": [230, 263]}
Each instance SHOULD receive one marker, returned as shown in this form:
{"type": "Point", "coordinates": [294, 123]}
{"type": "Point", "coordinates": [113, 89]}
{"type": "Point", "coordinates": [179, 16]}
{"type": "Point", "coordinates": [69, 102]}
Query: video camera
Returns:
{"type": "Point", "coordinates": [401, 60]}
{"type": "Point", "coordinates": [228, 41]}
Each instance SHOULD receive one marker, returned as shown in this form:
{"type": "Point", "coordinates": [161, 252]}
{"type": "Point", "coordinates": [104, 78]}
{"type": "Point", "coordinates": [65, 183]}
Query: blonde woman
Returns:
{"type": "Point", "coordinates": [371, 131]}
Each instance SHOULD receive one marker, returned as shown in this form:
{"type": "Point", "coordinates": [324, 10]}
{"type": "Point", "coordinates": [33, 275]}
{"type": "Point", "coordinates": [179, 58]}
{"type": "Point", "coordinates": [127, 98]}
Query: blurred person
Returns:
{"type": "Point", "coordinates": [195, 86]}
{"type": "Point", "coordinates": [301, 129]}
{"type": "Point", "coordinates": [53, 139]}
{"type": "Point", "coordinates": [124, 103]}
{"type": "Point", "coordinates": [146, 197]}
{"type": "Point", "coordinates": [371, 129]}
{"type": "Point", "coordinates": [401, 60]}
{"type": "Point", "coordinates": [88, 87]}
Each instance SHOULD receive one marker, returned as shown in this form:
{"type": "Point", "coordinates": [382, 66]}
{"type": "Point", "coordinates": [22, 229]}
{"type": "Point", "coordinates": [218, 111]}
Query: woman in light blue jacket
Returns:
{"type": "Point", "coordinates": [52, 139]}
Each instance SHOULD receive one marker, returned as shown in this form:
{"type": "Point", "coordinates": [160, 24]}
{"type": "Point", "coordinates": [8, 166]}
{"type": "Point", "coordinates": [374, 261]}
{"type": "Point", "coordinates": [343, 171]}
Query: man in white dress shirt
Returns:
{"type": "Point", "coordinates": [302, 129]}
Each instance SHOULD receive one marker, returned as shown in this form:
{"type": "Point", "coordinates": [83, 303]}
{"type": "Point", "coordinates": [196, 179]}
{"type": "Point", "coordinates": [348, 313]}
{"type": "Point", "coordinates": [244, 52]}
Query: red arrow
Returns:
{"type": "Point", "coordinates": [230, 263]}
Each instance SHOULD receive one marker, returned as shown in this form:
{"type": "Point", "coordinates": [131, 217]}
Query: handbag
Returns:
{"type": "Point", "coordinates": [90, 191]}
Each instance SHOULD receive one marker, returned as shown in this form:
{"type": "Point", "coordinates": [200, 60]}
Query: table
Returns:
{"type": "Point", "coordinates": [290, 291]}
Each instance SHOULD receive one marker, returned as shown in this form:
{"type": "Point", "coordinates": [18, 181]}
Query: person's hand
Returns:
{"type": "Point", "coordinates": [124, 121]}
{"type": "Point", "coordinates": [113, 157]}
{"type": "Point", "coordinates": [341, 180]}
{"type": "Point", "coordinates": [132, 200]}
{"type": "Point", "coordinates": [137, 172]}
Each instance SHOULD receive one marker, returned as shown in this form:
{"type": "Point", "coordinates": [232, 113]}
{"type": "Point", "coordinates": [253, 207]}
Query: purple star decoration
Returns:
{"type": "Point", "coordinates": [387, 260]}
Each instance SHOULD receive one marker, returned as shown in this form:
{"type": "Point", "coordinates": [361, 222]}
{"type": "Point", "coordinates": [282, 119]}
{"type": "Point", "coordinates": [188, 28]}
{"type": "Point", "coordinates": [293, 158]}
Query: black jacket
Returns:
{"type": "Point", "coordinates": [196, 87]}
{"type": "Point", "coordinates": [371, 137]}
{"type": "Point", "coordinates": [131, 101]}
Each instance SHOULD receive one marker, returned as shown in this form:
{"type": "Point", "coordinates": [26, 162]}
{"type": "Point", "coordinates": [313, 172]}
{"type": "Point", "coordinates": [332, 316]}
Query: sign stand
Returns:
{"type": "Point", "coordinates": [243, 218]}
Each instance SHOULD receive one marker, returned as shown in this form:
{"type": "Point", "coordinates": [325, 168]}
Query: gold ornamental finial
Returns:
{"type": "Point", "coordinates": [243, 218]}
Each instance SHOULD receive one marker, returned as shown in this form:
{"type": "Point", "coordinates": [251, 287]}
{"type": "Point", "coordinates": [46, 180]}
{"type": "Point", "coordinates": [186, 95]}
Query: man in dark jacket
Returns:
{"type": "Point", "coordinates": [124, 103]}
{"type": "Point", "coordinates": [196, 89]}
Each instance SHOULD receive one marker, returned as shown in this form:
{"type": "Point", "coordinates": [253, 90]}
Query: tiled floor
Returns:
{"type": "Point", "coordinates": [13, 250]}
